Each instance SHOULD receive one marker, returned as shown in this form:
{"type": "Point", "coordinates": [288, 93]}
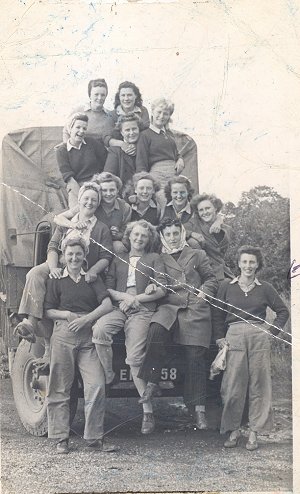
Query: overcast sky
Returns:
{"type": "Point", "coordinates": [231, 68]}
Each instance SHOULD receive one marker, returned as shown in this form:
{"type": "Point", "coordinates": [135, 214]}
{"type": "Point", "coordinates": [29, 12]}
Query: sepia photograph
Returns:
{"type": "Point", "coordinates": [150, 259]}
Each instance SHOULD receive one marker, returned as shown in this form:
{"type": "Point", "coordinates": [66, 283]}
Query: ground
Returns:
{"type": "Point", "coordinates": [176, 457]}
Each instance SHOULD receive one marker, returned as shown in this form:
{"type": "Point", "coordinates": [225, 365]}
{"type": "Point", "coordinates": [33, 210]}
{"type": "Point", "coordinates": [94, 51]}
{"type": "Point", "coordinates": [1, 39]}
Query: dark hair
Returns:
{"type": "Point", "coordinates": [153, 236]}
{"type": "Point", "coordinates": [101, 178]}
{"type": "Point", "coordinates": [178, 179]}
{"type": "Point", "coordinates": [126, 84]}
{"type": "Point", "coordinates": [254, 251]}
{"type": "Point", "coordinates": [216, 202]}
{"type": "Point", "coordinates": [96, 83]}
{"type": "Point", "coordinates": [145, 176]}
{"type": "Point", "coordinates": [130, 117]}
{"type": "Point", "coordinates": [168, 222]}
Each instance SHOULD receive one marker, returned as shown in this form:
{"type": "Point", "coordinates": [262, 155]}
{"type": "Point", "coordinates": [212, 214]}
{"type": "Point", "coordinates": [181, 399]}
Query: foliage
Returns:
{"type": "Point", "coordinates": [261, 218]}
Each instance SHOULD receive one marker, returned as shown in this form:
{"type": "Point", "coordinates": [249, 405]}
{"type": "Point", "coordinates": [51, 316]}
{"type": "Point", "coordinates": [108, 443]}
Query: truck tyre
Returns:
{"type": "Point", "coordinates": [31, 403]}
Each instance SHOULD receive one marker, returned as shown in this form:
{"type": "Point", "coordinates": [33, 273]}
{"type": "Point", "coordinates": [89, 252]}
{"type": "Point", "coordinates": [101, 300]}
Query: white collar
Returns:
{"type": "Point", "coordinates": [70, 146]}
{"type": "Point", "coordinates": [92, 221]}
{"type": "Point", "coordinates": [156, 129]}
{"type": "Point", "coordinates": [187, 208]}
{"type": "Point", "coordinates": [236, 279]}
{"type": "Point", "coordinates": [66, 274]}
{"type": "Point", "coordinates": [120, 111]}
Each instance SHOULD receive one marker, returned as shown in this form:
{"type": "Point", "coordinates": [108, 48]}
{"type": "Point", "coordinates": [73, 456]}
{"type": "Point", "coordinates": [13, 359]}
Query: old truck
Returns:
{"type": "Point", "coordinates": [32, 191]}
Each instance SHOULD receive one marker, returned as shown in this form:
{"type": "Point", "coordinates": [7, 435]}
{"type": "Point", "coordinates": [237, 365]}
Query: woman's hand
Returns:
{"type": "Point", "coordinates": [152, 288]}
{"type": "Point", "coordinates": [199, 237]}
{"type": "Point", "coordinates": [80, 225]}
{"type": "Point", "coordinates": [90, 276]}
{"type": "Point", "coordinates": [129, 148]}
{"type": "Point", "coordinates": [114, 230]}
{"type": "Point", "coordinates": [55, 273]}
{"type": "Point", "coordinates": [78, 323]}
{"type": "Point", "coordinates": [179, 166]}
{"type": "Point", "coordinates": [217, 224]}
{"type": "Point", "coordinates": [72, 316]}
{"type": "Point", "coordinates": [221, 342]}
{"type": "Point", "coordinates": [128, 302]}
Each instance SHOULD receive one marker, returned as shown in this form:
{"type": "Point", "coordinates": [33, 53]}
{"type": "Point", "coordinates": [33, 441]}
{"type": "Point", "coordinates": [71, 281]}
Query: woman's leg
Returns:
{"type": "Point", "coordinates": [195, 377]}
{"type": "Point", "coordinates": [32, 301]}
{"type": "Point", "coordinates": [155, 355]}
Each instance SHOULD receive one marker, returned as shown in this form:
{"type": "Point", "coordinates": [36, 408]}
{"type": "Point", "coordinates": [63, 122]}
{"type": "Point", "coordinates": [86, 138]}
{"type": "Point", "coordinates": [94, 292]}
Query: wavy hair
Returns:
{"type": "Point", "coordinates": [216, 202]}
{"type": "Point", "coordinates": [101, 178]}
{"type": "Point", "coordinates": [130, 117]}
{"type": "Point", "coordinates": [97, 83]}
{"type": "Point", "coordinates": [178, 179]}
{"type": "Point", "coordinates": [126, 84]}
{"type": "Point", "coordinates": [165, 103]}
{"type": "Point", "coordinates": [253, 251]}
{"type": "Point", "coordinates": [143, 175]}
{"type": "Point", "coordinates": [153, 235]}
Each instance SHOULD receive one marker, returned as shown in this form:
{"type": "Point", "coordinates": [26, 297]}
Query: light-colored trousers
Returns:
{"type": "Point", "coordinates": [248, 369]}
{"type": "Point", "coordinates": [67, 349]}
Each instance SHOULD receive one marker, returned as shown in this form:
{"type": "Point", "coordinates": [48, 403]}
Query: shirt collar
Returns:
{"type": "Point", "coordinates": [156, 129]}
{"type": "Point", "coordinates": [187, 208]}
{"type": "Point", "coordinates": [87, 107]}
{"type": "Point", "coordinates": [91, 221]}
{"type": "Point", "coordinates": [151, 205]}
{"type": "Point", "coordinates": [120, 111]}
{"type": "Point", "coordinates": [70, 146]}
{"type": "Point", "coordinates": [66, 274]}
{"type": "Point", "coordinates": [236, 279]}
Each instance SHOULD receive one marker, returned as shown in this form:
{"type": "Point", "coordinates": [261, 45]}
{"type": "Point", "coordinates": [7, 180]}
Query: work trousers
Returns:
{"type": "Point", "coordinates": [248, 370]}
{"type": "Point", "coordinates": [194, 369]}
{"type": "Point", "coordinates": [67, 349]}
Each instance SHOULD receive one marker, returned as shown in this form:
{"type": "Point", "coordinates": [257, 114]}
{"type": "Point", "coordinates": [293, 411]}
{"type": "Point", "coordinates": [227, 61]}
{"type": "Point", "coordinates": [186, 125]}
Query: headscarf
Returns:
{"type": "Point", "coordinates": [165, 247]}
{"type": "Point", "coordinates": [90, 186]}
{"type": "Point", "coordinates": [72, 119]}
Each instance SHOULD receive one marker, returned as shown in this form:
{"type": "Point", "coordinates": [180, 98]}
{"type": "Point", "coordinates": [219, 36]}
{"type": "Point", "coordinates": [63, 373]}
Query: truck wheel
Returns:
{"type": "Point", "coordinates": [31, 403]}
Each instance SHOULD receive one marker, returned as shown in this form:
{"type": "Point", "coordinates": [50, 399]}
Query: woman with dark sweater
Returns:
{"type": "Point", "coordinates": [239, 320]}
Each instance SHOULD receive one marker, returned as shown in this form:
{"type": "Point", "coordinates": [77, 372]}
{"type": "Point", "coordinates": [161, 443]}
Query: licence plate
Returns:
{"type": "Point", "coordinates": [167, 374]}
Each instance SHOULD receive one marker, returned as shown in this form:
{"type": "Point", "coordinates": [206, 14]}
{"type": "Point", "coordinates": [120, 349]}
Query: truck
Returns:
{"type": "Point", "coordinates": [32, 192]}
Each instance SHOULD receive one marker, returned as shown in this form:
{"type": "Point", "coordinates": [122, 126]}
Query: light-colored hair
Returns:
{"type": "Point", "coordinates": [153, 235]}
{"type": "Point", "coordinates": [130, 117]}
{"type": "Point", "coordinates": [90, 186]}
{"type": "Point", "coordinates": [71, 241]}
{"type": "Point", "coordinates": [163, 102]}
{"type": "Point", "coordinates": [145, 176]}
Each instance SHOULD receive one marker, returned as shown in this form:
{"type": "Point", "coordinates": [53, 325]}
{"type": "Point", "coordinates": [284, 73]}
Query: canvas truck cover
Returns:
{"type": "Point", "coordinates": [31, 187]}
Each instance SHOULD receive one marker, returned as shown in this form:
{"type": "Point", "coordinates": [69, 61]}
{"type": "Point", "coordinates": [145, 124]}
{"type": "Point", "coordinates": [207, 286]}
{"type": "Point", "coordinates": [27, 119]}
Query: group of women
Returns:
{"type": "Point", "coordinates": [153, 253]}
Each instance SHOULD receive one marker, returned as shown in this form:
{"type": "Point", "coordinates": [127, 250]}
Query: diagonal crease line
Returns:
{"type": "Point", "coordinates": [189, 288]}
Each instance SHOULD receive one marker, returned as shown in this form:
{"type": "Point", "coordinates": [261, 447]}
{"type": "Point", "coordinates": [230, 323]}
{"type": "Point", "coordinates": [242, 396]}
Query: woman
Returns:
{"type": "Point", "coordinates": [186, 314]}
{"type": "Point", "coordinates": [178, 192]}
{"type": "Point", "coordinates": [157, 152]}
{"type": "Point", "coordinates": [112, 211]}
{"type": "Point", "coordinates": [74, 305]}
{"type": "Point", "coordinates": [100, 123]}
{"type": "Point", "coordinates": [143, 203]}
{"type": "Point", "coordinates": [206, 230]}
{"type": "Point", "coordinates": [127, 280]}
{"type": "Point", "coordinates": [128, 100]}
{"type": "Point", "coordinates": [80, 157]}
{"type": "Point", "coordinates": [118, 161]}
{"type": "Point", "coordinates": [242, 303]}
{"type": "Point", "coordinates": [98, 258]}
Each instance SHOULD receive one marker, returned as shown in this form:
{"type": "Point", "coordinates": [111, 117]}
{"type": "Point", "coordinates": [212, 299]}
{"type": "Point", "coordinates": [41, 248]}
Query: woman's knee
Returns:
{"type": "Point", "coordinates": [102, 334]}
{"type": "Point", "coordinates": [38, 273]}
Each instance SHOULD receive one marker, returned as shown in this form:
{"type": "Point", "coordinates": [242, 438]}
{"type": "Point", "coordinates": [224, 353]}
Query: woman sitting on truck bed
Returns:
{"type": "Point", "coordinates": [80, 157]}
{"type": "Point", "coordinates": [98, 258]}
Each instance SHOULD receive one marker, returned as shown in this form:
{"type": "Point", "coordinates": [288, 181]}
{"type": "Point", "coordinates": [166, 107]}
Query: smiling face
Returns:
{"type": "Point", "coordinates": [77, 132]}
{"type": "Point", "coordinates": [207, 211]}
{"type": "Point", "coordinates": [74, 257]}
{"type": "Point", "coordinates": [88, 202]}
{"type": "Point", "coordinates": [179, 194]}
{"type": "Point", "coordinates": [144, 190]}
{"type": "Point", "coordinates": [97, 98]}
{"type": "Point", "coordinates": [127, 99]}
{"type": "Point", "coordinates": [130, 132]}
{"type": "Point", "coordinates": [109, 192]}
{"type": "Point", "coordinates": [172, 235]}
{"type": "Point", "coordinates": [248, 265]}
{"type": "Point", "coordinates": [139, 239]}
{"type": "Point", "coordinates": [160, 116]}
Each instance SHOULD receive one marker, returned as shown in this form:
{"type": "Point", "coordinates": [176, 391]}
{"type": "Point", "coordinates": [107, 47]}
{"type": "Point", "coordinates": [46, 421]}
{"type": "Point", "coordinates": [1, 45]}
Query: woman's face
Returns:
{"type": "Point", "coordinates": [78, 131]}
{"type": "Point", "coordinates": [109, 192]}
{"type": "Point", "coordinates": [248, 265]}
{"type": "Point", "coordinates": [160, 116]}
{"type": "Point", "coordinates": [130, 132]}
{"type": "Point", "coordinates": [89, 201]}
{"type": "Point", "coordinates": [139, 238]}
{"type": "Point", "coordinates": [179, 194]}
{"type": "Point", "coordinates": [74, 256]}
{"type": "Point", "coordinates": [207, 211]}
{"type": "Point", "coordinates": [127, 98]}
{"type": "Point", "coordinates": [144, 190]}
{"type": "Point", "coordinates": [97, 98]}
{"type": "Point", "coordinates": [172, 235]}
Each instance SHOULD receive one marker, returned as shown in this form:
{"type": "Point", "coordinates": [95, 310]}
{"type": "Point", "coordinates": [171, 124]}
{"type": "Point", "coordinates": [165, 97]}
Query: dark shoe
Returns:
{"type": "Point", "coordinates": [151, 390]}
{"type": "Point", "coordinates": [99, 446]}
{"type": "Point", "coordinates": [251, 446]}
{"type": "Point", "coordinates": [232, 442]}
{"type": "Point", "coordinates": [62, 447]}
{"type": "Point", "coordinates": [200, 421]}
{"type": "Point", "coordinates": [25, 330]}
{"type": "Point", "coordinates": [148, 423]}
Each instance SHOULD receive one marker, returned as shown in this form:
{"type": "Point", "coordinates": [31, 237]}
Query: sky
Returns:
{"type": "Point", "coordinates": [231, 68]}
